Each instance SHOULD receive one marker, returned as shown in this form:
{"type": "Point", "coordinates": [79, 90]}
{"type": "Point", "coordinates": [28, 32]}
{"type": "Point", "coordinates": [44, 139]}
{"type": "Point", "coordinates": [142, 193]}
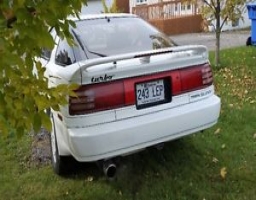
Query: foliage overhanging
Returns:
{"type": "Point", "coordinates": [24, 94]}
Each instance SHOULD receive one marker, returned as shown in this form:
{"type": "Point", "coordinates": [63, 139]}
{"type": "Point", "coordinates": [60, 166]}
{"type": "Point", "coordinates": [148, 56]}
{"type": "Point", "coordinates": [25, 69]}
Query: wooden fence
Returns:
{"type": "Point", "coordinates": [173, 17]}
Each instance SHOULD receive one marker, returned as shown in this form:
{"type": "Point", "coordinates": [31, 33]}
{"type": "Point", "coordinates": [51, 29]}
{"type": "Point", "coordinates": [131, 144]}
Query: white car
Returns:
{"type": "Point", "coordinates": [137, 89]}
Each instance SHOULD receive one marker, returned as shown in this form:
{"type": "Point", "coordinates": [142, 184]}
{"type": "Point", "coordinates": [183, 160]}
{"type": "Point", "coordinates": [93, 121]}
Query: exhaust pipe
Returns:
{"type": "Point", "coordinates": [109, 169]}
{"type": "Point", "coordinates": [159, 146]}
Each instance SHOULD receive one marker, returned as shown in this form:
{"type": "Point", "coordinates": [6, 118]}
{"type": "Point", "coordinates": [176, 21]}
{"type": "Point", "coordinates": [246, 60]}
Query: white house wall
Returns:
{"type": "Point", "coordinates": [95, 6]}
{"type": "Point", "coordinates": [246, 22]}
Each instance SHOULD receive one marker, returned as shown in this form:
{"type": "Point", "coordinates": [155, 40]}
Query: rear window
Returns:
{"type": "Point", "coordinates": [112, 36]}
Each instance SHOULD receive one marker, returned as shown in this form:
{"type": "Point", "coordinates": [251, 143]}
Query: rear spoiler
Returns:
{"type": "Point", "coordinates": [195, 49]}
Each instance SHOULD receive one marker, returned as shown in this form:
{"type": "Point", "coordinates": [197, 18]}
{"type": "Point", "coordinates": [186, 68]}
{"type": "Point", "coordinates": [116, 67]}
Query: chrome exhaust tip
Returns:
{"type": "Point", "coordinates": [109, 169]}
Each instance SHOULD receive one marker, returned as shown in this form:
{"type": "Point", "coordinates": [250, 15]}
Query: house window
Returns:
{"type": "Point", "coordinates": [176, 7]}
{"type": "Point", "coordinates": [141, 1]}
{"type": "Point", "coordinates": [183, 7]}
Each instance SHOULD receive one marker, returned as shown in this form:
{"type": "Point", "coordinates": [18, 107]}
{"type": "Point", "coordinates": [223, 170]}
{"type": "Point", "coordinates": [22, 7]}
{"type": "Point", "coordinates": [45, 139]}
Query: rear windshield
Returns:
{"type": "Point", "coordinates": [112, 36]}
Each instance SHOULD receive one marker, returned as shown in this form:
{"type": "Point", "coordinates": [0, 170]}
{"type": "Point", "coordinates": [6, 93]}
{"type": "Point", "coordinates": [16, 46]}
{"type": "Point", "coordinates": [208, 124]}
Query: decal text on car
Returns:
{"type": "Point", "coordinates": [102, 78]}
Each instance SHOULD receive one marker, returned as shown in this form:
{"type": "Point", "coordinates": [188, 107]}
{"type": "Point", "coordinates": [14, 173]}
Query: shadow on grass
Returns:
{"type": "Point", "coordinates": [150, 165]}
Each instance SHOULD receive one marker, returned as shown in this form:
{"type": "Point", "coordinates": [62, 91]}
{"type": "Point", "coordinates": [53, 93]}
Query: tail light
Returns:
{"type": "Point", "coordinates": [120, 93]}
{"type": "Point", "coordinates": [207, 75]}
{"type": "Point", "coordinates": [97, 97]}
{"type": "Point", "coordinates": [196, 77]}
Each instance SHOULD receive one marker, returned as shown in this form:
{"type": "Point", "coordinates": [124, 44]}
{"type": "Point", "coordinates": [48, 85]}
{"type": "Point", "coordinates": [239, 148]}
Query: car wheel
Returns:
{"type": "Point", "coordinates": [60, 164]}
{"type": "Point", "coordinates": [249, 41]}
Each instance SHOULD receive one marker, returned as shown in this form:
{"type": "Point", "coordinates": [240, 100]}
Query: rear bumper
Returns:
{"type": "Point", "coordinates": [135, 133]}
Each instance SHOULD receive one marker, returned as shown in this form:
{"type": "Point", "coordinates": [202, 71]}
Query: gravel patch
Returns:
{"type": "Point", "coordinates": [41, 149]}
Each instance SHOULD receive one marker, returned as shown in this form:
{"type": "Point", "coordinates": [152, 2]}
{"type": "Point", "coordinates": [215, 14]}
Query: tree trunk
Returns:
{"type": "Point", "coordinates": [217, 34]}
{"type": "Point", "coordinates": [217, 47]}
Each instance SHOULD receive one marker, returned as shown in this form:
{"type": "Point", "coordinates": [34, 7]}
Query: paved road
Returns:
{"type": "Point", "coordinates": [228, 39]}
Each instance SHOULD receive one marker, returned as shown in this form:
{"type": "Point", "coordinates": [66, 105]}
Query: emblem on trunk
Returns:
{"type": "Point", "coordinates": [104, 78]}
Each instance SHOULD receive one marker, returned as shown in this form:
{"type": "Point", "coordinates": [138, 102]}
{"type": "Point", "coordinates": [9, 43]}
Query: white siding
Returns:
{"type": "Point", "coordinates": [95, 6]}
{"type": "Point", "coordinates": [246, 22]}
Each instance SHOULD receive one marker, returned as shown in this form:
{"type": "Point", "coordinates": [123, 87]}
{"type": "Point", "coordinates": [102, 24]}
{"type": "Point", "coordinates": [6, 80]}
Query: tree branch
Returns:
{"type": "Point", "coordinates": [224, 21]}
{"type": "Point", "coordinates": [211, 5]}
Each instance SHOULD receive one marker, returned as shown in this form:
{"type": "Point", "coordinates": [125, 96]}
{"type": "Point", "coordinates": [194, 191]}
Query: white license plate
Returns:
{"type": "Point", "coordinates": [148, 93]}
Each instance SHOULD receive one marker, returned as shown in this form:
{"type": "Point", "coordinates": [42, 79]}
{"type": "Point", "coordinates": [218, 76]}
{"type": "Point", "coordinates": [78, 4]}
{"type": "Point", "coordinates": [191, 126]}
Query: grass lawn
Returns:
{"type": "Point", "coordinates": [218, 164]}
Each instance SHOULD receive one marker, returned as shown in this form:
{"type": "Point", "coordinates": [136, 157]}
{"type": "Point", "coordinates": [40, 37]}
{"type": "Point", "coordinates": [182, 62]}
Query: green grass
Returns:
{"type": "Point", "coordinates": [186, 169]}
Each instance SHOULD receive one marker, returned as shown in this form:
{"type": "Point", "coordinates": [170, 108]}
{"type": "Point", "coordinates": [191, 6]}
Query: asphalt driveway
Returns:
{"type": "Point", "coordinates": [229, 39]}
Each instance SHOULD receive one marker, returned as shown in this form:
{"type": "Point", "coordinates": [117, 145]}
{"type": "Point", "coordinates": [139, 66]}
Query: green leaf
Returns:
{"type": "Point", "coordinates": [22, 93]}
{"type": "Point", "coordinates": [37, 122]}
{"type": "Point", "coordinates": [46, 122]}
{"type": "Point", "coordinates": [73, 86]}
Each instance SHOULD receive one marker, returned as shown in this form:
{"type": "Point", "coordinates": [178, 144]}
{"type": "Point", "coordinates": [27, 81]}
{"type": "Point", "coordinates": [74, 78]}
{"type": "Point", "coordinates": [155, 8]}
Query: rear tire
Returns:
{"type": "Point", "coordinates": [249, 41]}
{"type": "Point", "coordinates": [61, 164]}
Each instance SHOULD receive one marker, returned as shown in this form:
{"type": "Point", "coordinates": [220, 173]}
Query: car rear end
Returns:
{"type": "Point", "coordinates": [134, 105]}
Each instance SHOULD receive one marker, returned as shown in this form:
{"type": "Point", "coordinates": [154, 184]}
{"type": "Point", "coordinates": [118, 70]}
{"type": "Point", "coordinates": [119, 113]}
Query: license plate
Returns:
{"type": "Point", "coordinates": [151, 93]}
